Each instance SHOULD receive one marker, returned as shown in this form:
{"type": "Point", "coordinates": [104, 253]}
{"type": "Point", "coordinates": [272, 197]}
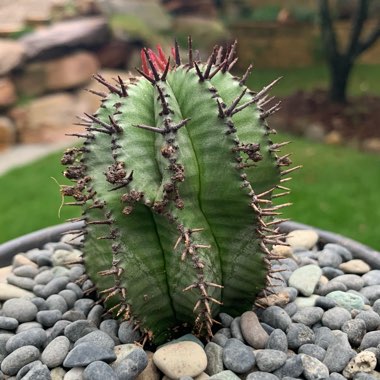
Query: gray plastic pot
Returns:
{"type": "Point", "coordinates": [39, 238]}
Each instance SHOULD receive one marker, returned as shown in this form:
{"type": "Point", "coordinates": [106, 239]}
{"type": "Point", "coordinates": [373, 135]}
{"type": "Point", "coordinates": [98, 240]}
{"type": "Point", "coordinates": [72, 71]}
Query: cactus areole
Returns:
{"type": "Point", "coordinates": [175, 178]}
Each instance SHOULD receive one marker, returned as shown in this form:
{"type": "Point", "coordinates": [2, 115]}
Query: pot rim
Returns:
{"type": "Point", "coordinates": [51, 234]}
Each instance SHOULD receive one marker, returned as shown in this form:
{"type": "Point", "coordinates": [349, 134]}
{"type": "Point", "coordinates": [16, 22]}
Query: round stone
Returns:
{"type": "Point", "coordinates": [302, 239]}
{"type": "Point", "coordinates": [21, 282]}
{"type": "Point", "coordinates": [329, 258]}
{"type": "Point", "coordinates": [277, 341]}
{"type": "Point", "coordinates": [54, 286]}
{"type": "Point", "coordinates": [338, 353]}
{"type": "Point", "coordinates": [351, 281]}
{"type": "Point", "coordinates": [313, 350]}
{"type": "Point", "coordinates": [339, 249]}
{"type": "Point", "coordinates": [20, 309]}
{"type": "Point", "coordinates": [69, 296]}
{"type": "Point", "coordinates": [298, 334]}
{"type": "Point", "coordinates": [235, 329]}
{"type": "Point", "coordinates": [372, 292]}
{"type": "Point", "coordinates": [8, 323]}
{"type": "Point", "coordinates": [270, 360]}
{"type": "Point", "coordinates": [305, 279]}
{"type": "Point", "coordinates": [348, 301]}
{"type": "Point", "coordinates": [99, 371]}
{"type": "Point", "coordinates": [261, 376]}
{"type": "Point", "coordinates": [370, 339]}
{"type": "Point", "coordinates": [252, 331]}
{"type": "Point", "coordinates": [26, 271]}
{"type": "Point", "coordinates": [18, 358]}
{"type": "Point", "coordinates": [214, 354]}
{"type": "Point", "coordinates": [276, 317]}
{"type": "Point", "coordinates": [355, 330]}
{"type": "Point", "coordinates": [226, 319]}
{"type": "Point", "coordinates": [371, 278]}
{"type": "Point", "coordinates": [355, 266]}
{"type": "Point", "coordinates": [335, 317]}
{"type": "Point", "coordinates": [132, 365]}
{"type": "Point", "coordinates": [308, 315]}
{"type": "Point", "coordinates": [181, 359]}
{"type": "Point", "coordinates": [97, 337]}
{"type": "Point", "coordinates": [371, 319]}
{"type": "Point", "coordinates": [127, 332]}
{"type": "Point", "coordinates": [77, 329]}
{"type": "Point", "coordinates": [48, 318]}
{"type": "Point", "coordinates": [85, 353]}
{"type": "Point", "coordinates": [293, 367]}
{"type": "Point", "coordinates": [55, 352]}
{"type": "Point", "coordinates": [313, 369]}
{"type": "Point", "coordinates": [32, 337]}
{"type": "Point", "coordinates": [56, 302]}
{"type": "Point", "coordinates": [238, 357]}
{"type": "Point", "coordinates": [95, 314]}
{"type": "Point", "coordinates": [323, 337]}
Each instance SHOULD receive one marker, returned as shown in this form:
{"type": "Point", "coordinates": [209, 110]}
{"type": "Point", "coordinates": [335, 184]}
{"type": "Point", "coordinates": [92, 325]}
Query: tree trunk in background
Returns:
{"type": "Point", "coordinates": [341, 62]}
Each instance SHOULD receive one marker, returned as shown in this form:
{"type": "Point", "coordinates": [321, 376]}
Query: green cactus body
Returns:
{"type": "Point", "coordinates": [175, 179]}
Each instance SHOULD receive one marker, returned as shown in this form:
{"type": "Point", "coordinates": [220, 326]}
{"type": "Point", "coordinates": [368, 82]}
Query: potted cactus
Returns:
{"type": "Point", "coordinates": [176, 178]}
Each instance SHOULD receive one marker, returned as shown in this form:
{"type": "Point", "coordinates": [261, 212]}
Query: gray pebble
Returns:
{"type": "Point", "coordinates": [214, 354]}
{"type": "Point", "coordinates": [55, 286]}
{"type": "Point", "coordinates": [27, 326]}
{"type": "Point", "coordinates": [69, 296]}
{"type": "Point", "coordinates": [58, 329]}
{"type": "Point", "coordinates": [344, 253]}
{"type": "Point", "coordinates": [48, 318]}
{"type": "Point", "coordinates": [372, 292]}
{"type": "Point", "coordinates": [355, 330]}
{"type": "Point", "coordinates": [132, 365]}
{"type": "Point", "coordinates": [268, 329]}
{"type": "Point", "coordinates": [226, 319]}
{"type": "Point", "coordinates": [44, 260]}
{"type": "Point", "coordinates": [371, 319]}
{"type": "Point", "coordinates": [225, 331]}
{"type": "Point", "coordinates": [292, 367]}
{"type": "Point", "coordinates": [365, 300]}
{"type": "Point", "coordinates": [219, 339]}
{"type": "Point", "coordinates": [363, 376]}
{"type": "Point", "coordinates": [75, 288]}
{"type": "Point", "coordinates": [336, 376]}
{"type": "Point", "coordinates": [335, 317]}
{"type": "Point", "coordinates": [277, 341]}
{"type": "Point", "coordinates": [370, 339]}
{"type": "Point", "coordinates": [87, 286]}
{"type": "Point", "coordinates": [85, 353]}
{"type": "Point", "coordinates": [32, 337]}
{"type": "Point", "coordinates": [56, 302]}
{"type": "Point", "coordinates": [299, 334]}
{"type": "Point", "coordinates": [313, 368]}
{"type": "Point", "coordinates": [95, 315]}
{"type": "Point", "coordinates": [99, 371]}
{"type": "Point", "coordinates": [329, 258]}
{"type": "Point", "coordinates": [325, 303]}
{"type": "Point", "coordinates": [34, 371]}
{"type": "Point", "coordinates": [76, 272]}
{"type": "Point", "coordinates": [238, 357]}
{"type": "Point", "coordinates": [291, 308]}
{"type": "Point", "coordinates": [127, 332]}
{"type": "Point", "coordinates": [44, 277]}
{"type": "Point", "coordinates": [21, 282]}
{"type": "Point", "coordinates": [313, 350]}
{"type": "Point", "coordinates": [308, 315]}
{"type": "Point", "coordinates": [376, 306]}
{"type": "Point", "coordinates": [97, 337]}
{"type": "Point", "coordinates": [351, 281]}
{"type": "Point", "coordinates": [371, 278]}
{"type": "Point", "coordinates": [276, 317]}
{"type": "Point", "coordinates": [55, 352]}
{"type": "Point", "coordinates": [21, 309]}
{"type": "Point", "coordinates": [40, 303]}
{"type": "Point", "coordinates": [270, 360]}
{"type": "Point", "coordinates": [8, 323]}
{"type": "Point", "coordinates": [25, 271]}
{"type": "Point", "coordinates": [235, 329]}
{"type": "Point", "coordinates": [18, 358]}
{"type": "Point", "coordinates": [84, 305]}
{"type": "Point", "coordinates": [331, 272]}
{"type": "Point", "coordinates": [73, 315]}
{"type": "Point", "coordinates": [330, 287]}
{"type": "Point", "coordinates": [258, 375]}
{"type": "Point", "coordinates": [3, 342]}
{"type": "Point", "coordinates": [77, 329]}
{"type": "Point", "coordinates": [323, 337]}
{"type": "Point", "coordinates": [338, 353]}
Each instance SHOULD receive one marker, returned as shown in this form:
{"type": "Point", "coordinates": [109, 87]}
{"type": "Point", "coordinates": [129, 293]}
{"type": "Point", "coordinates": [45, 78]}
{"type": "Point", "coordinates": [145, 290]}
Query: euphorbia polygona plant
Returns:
{"type": "Point", "coordinates": [176, 178]}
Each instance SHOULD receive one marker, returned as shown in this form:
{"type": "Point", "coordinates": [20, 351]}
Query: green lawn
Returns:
{"type": "Point", "coordinates": [364, 79]}
{"type": "Point", "coordinates": [337, 189]}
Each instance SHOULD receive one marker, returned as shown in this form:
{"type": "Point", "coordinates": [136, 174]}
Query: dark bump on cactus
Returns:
{"type": "Point", "coordinates": [195, 174]}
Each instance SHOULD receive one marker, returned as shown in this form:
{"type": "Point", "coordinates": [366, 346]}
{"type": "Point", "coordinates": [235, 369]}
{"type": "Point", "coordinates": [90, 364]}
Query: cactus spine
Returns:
{"type": "Point", "coordinates": [175, 178]}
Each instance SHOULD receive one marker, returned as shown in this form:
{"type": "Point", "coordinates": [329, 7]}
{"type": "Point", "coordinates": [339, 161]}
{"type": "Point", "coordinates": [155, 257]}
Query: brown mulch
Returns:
{"type": "Point", "coordinates": [358, 120]}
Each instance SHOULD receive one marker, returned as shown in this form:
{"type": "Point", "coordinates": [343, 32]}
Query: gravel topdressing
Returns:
{"type": "Point", "coordinates": [322, 323]}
